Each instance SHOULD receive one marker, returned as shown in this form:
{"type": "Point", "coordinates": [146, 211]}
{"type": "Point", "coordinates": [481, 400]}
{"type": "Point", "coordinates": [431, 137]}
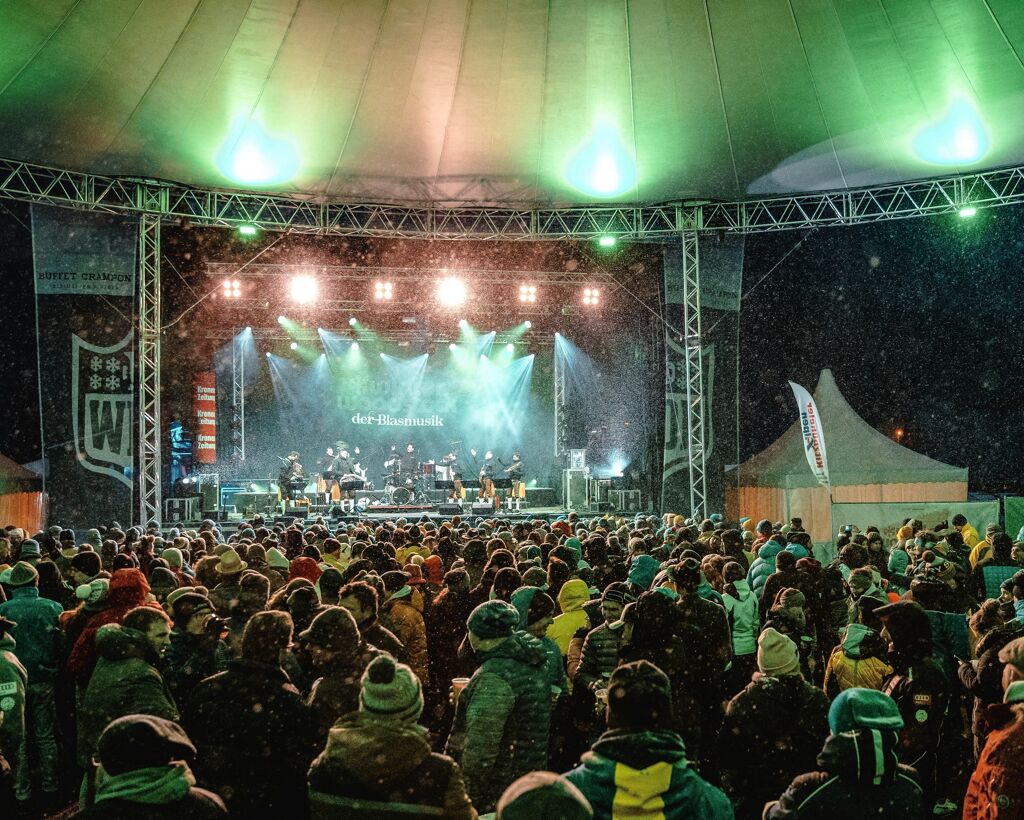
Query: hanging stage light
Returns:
{"type": "Point", "coordinates": [591, 297]}
{"type": "Point", "coordinates": [304, 289]}
{"type": "Point", "coordinates": [451, 292]}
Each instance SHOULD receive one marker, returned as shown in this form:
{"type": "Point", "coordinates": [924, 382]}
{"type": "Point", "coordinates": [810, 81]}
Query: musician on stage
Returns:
{"type": "Point", "coordinates": [329, 476]}
{"type": "Point", "coordinates": [451, 461]}
{"type": "Point", "coordinates": [291, 479]}
{"type": "Point", "coordinates": [515, 473]}
{"type": "Point", "coordinates": [409, 463]}
{"type": "Point", "coordinates": [487, 476]}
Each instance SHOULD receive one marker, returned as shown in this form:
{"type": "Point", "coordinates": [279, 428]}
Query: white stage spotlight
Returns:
{"type": "Point", "coordinates": [304, 289]}
{"type": "Point", "coordinates": [451, 292]}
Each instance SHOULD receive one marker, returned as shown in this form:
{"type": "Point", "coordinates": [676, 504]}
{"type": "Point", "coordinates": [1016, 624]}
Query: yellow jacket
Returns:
{"type": "Point", "coordinates": [970, 534]}
{"type": "Point", "coordinates": [981, 551]}
{"type": "Point", "coordinates": [573, 595]}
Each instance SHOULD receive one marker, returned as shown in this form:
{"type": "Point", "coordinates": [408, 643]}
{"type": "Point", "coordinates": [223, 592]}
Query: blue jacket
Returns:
{"type": "Point", "coordinates": [763, 566]}
{"type": "Point", "coordinates": [37, 634]}
{"type": "Point", "coordinates": [645, 774]}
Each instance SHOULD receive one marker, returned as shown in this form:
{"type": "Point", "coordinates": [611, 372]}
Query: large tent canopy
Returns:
{"type": "Point", "coordinates": [865, 466]}
{"type": "Point", "coordinates": [532, 101]}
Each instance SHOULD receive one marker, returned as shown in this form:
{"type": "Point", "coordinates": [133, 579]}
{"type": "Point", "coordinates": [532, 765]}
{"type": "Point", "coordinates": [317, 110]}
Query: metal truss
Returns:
{"type": "Point", "coordinates": [237, 401]}
{"type": "Point", "coordinates": [694, 375]}
{"type": "Point", "coordinates": [150, 478]}
{"type": "Point", "coordinates": [175, 202]}
{"type": "Point", "coordinates": [561, 434]}
{"type": "Point", "coordinates": [417, 336]}
{"type": "Point", "coordinates": [369, 273]}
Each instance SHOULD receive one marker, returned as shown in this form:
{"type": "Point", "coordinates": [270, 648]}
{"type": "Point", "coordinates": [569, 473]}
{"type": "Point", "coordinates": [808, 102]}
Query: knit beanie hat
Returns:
{"type": "Point", "coordinates": [777, 655]}
{"type": "Point", "coordinates": [30, 550]}
{"type": "Point", "coordinates": [857, 708]}
{"type": "Point", "coordinates": [184, 606]}
{"type": "Point", "coordinates": [790, 598]}
{"type": "Point", "coordinates": [92, 537]}
{"type": "Point", "coordinates": [617, 592]}
{"type": "Point", "coordinates": [639, 696]}
{"type": "Point", "coordinates": [161, 578]}
{"type": "Point", "coordinates": [334, 629]}
{"type": "Point", "coordinates": [92, 592]}
{"type": "Point", "coordinates": [535, 577]}
{"type": "Point", "coordinates": [390, 691]}
{"type": "Point", "coordinates": [276, 559]}
{"type": "Point", "coordinates": [88, 563]}
{"type": "Point", "coordinates": [493, 619]}
{"type": "Point", "coordinates": [543, 795]}
{"type": "Point", "coordinates": [136, 742]}
{"type": "Point", "coordinates": [533, 605]}
{"type": "Point", "coordinates": [1013, 654]}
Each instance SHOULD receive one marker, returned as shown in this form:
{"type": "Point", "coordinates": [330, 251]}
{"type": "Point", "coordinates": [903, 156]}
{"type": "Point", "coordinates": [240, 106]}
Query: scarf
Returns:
{"type": "Point", "coordinates": [157, 785]}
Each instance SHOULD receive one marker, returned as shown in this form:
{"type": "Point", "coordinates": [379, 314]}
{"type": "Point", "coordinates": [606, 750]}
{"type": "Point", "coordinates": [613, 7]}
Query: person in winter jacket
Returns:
{"type": "Point", "coordinates": [197, 650]}
{"type": "Point", "coordinates": [741, 608]}
{"type": "Point", "coordinates": [571, 598]}
{"type": "Point", "coordinates": [996, 789]}
{"type": "Point", "coordinates": [339, 657]}
{"type": "Point", "coordinates": [773, 728]}
{"type": "Point", "coordinates": [361, 600]}
{"type": "Point", "coordinates": [379, 753]}
{"type": "Point", "coordinates": [126, 680]}
{"type": "Point", "coordinates": [128, 589]}
{"type": "Point", "coordinates": [536, 614]}
{"type": "Point", "coordinates": [599, 654]}
{"type": "Point", "coordinates": [638, 767]}
{"type": "Point", "coordinates": [918, 686]}
{"type": "Point", "coordinates": [983, 678]}
{"type": "Point", "coordinates": [38, 639]}
{"type": "Point", "coordinates": [642, 572]}
{"type": "Point", "coordinates": [763, 566]}
{"type": "Point", "coordinates": [860, 774]}
{"type": "Point", "coordinates": [859, 662]}
{"type": "Point", "coordinates": [13, 688]}
{"type": "Point", "coordinates": [966, 530]}
{"type": "Point", "coordinates": [145, 773]}
{"type": "Point", "coordinates": [983, 548]}
{"type": "Point", "coordinates": [254, 734]}
{"type": "Point", "coordinates": [502, 717]}
{"type": "Point", "coordinates": [402, 614]}
{"type": "Point", "coordinates": [446, 629]}
{"type": "Point", "coordinates": [786, 575]}
{"type": "Point", "coordinates": [989, 573]}
{"type": "Point", "coordinates": [543, 796]}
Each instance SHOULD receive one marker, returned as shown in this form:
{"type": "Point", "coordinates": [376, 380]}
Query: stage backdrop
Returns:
{"type": "Point", "coordinates": [721, 275]}
{"type": "Point", "coordinates": [85, 286]}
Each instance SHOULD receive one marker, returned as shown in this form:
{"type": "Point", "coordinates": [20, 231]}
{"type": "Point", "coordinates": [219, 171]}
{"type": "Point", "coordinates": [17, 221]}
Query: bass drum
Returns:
{"type": "Point", "coordinates": [400, 496]}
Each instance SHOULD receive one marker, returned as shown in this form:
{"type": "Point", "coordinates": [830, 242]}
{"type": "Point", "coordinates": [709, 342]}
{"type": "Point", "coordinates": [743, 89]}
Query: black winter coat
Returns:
{"type": "Point", "coordinates": [986, 683]}
{"type": "Point", "coordinates": [855, 782]}
{"type": "Point", "coordinates": [772, 732]}
{"type": "Point", "coordinates": [255, 738]}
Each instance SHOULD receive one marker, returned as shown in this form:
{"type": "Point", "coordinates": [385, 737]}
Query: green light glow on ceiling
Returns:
{"type": "Point", "coordinates": [958, 138]}
{"type": "Point", "coordinates": [603, 165]}
{"type": "Point", "coordinates": [251, 156]}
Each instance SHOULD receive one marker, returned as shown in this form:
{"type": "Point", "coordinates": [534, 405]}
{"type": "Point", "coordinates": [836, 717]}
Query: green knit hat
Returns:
{"type": "Point", "coordinates": [391, 691]}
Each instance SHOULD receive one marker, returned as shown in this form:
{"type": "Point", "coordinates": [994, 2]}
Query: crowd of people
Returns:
{"type": "Point", "coordinates": [607, 667]}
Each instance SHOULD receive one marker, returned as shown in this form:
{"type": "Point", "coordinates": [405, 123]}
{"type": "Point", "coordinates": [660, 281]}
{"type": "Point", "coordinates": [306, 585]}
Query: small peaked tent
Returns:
{"type": "Point", "coordinates": [22, 502]}
{"type": "Point", "coordinates": [864, 466]}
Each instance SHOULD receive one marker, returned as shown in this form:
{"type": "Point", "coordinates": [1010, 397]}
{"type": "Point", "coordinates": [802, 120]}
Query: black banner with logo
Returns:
{"type": "Point", "coordinates": [85, 291]}
{"type": "Point", "coordinates": [721, 274]}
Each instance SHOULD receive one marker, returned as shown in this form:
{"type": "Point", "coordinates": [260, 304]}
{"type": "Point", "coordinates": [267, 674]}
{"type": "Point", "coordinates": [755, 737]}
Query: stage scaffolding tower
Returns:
{"type": "Point", "coordinates": [559, 381]}
{"type": "Point", "coordinates": [238, 399]}
{"type": "Point", "coordinates": [149, 480]}
{"type": "Point", "coordinates": [692, 342]}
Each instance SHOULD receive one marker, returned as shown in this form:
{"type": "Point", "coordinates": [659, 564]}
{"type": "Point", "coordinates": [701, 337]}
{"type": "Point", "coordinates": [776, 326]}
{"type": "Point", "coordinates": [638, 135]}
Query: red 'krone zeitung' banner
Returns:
{"type": "Point", "coordinates": [204, 409]}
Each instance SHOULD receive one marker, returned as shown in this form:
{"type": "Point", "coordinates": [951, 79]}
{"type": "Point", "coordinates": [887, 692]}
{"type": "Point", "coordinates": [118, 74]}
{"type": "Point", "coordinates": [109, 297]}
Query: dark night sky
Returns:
{"type": "Point", "coordinates": [918, 319]}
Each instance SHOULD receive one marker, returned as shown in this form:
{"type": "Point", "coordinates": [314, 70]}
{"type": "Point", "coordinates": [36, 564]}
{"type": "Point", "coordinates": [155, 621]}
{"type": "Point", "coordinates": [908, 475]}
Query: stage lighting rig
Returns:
{"type": "Point", "coordinates": [304, 289]}
{"type": "Point", "coordinates": [591, 297]}
{"type": "Point", "coordinates": [232, 289]}
{"type": "Point", "coordinates": [383, 291]}
{"type": "Point", "coordinates": [528, 293]}
{"type": "Point", "coordinates": [451, 292]}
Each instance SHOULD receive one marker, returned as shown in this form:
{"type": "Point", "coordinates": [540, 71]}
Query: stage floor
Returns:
{"type": "Point", "coordinates": [418, 514]}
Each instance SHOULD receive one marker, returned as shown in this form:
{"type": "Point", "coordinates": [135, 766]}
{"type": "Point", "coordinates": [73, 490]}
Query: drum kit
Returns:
{"type": "Point", "coordinates": [404, 487]}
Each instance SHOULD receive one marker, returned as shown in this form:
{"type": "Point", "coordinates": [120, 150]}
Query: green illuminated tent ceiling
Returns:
{"type": "Point", "coordinates": [564, 101]}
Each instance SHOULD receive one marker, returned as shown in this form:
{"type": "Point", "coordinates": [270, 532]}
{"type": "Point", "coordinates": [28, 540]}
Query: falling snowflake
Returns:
{"type": "Point", "coordinates": [113, 365]}
{"type": "Point", "coordinates": [95, 363]}
{"type": "Point", "coordinates": [112, 383]}
{"type": "Point", "coordinates": [95, 381]}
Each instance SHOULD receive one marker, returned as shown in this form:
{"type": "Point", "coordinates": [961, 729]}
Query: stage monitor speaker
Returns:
{"type": "Point", "coordinates": [296, 512]}
{"type": "Point", "coordinates": [574, 489]}
{"type": "Point", "coordinates": [215, 515]}
{"type": "Point", "coordinates": [483, 508]}
{"type": "Point", "coordinates": [450, 509]}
